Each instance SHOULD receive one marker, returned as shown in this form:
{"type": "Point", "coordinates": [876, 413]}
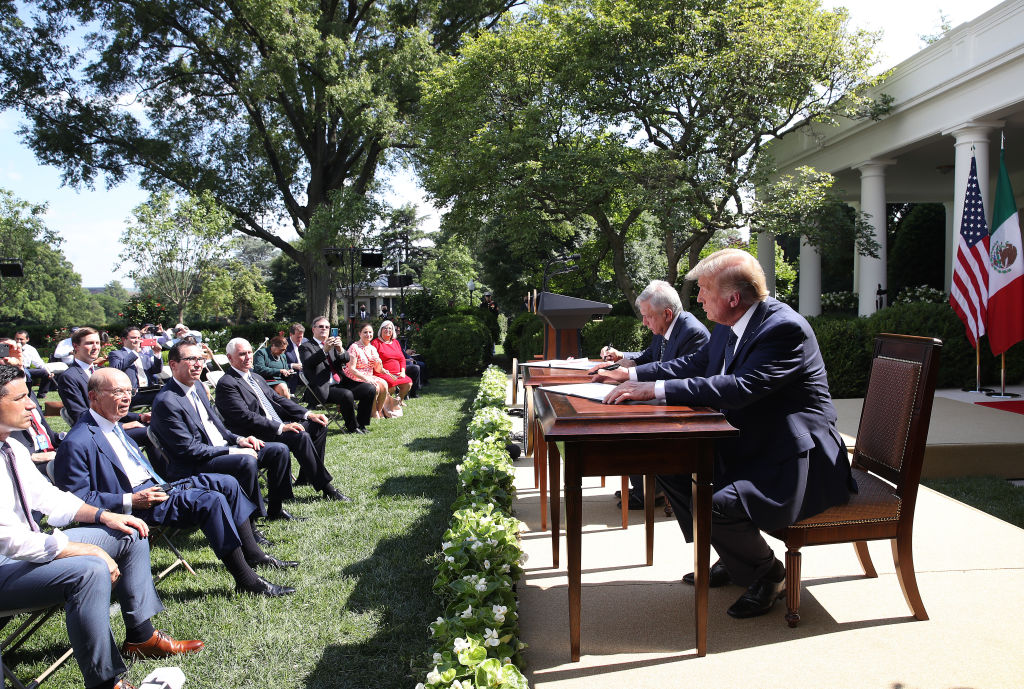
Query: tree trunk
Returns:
{"type": "Point", "coordinates": [319, 285]}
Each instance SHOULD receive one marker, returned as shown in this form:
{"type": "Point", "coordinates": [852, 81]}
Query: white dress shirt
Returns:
{"type": "Point", "coordinates": [216, 439]}
{"type": "Point", "coordinates": [64, 351]}
{"type": "Point", "coordinates": [136, 474]}
{"type": "Point", "coordinates": [17, 540]}
{"type": "Point", "coordinates": [30, 357]}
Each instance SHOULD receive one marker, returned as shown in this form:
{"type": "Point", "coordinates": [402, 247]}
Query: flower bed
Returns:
{"type": "Point", "coordinates": [475, 645]}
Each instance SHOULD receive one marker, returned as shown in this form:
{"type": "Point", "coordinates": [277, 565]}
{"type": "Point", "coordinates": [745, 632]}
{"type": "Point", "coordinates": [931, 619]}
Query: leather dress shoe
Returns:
{"type": "Point", "coordinates": [265, 588]}
{"type": "Point", "coordinates": [758, 598]}
{"type": "Point", "coordinates": [361, 430]}
{"type": "Point", "coordinates": [332, 493]}
{"type": "Point", "coordinates": [123, 684]}
{"type": "Point", "coordinates": [270, 561]}
{"type": "Point", "coordinates": [719, 576]}
{"type": "Point", "coordinates": [160, 645]}
{"type": "Point", "coordinates": [283, 515]}
{"type": "Point", "coordinates": [260, 538]}
{"type": "Point", "coordinates": [635, 503]}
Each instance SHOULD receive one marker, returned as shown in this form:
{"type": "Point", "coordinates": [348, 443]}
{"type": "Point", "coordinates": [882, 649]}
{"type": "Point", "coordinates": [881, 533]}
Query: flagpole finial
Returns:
{"type": "Point", "coordinates": [1002, 139]}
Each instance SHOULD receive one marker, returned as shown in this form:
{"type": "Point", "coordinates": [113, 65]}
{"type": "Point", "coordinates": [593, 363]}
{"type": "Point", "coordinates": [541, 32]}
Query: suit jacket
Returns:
{"type": "Point", "coordinates": [87, 466]}
{"type": "Point", "coordinates": [242, 411]}
{"type": "Point", "coordinates": [292, 352]}
{"type": "Point", "coordinates": [124, 359]}
{"type": "Point", "coordinates": [318, 367]}
{"type": "Point", "coordinates": [788, 462]}
{"type": "Point", "coordinates": [181, 432]}
{"type": "Point", "coordinates": [73, 387]}
{"type": "Point", "coordinates": [687, 335]}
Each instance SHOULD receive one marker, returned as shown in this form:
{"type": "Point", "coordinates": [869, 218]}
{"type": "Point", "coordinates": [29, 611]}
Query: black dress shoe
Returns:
{"type": "Point", "coordinates": [635, 503]}
{"type": "Point", "coordinates": [719, 576]}
{"type": "Point", "coordinates": [758, 599]}
{"type": "Point", "coordinates": [332, 493]}
{"type": "Point", "coordinates": [282, 514]}
{"type": "Point", "coordinates": [272, 562]}
{"type": "Point", "coordinates": [361, 429]}
{"type": "Point", "coordinates": [265, 588]}
{"type": "Point", "coordinates": [260, 538]}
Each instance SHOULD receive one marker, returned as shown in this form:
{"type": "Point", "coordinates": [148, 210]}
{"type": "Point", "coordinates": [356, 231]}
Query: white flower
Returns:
{"type": "Point", "coordinates": [487, 564]}
{"type": "Point", "coordinates": [523, 558]}
{"type": "Point", "coordinates": [506, 568]}
{"type": "Point", "coordinates": [492, 541]}
{"type": "Point", "coordinates": [446, 545]}
{"type": "Point", "coordinates": [476, 545]}
{"type": "Point", "coordinates": [482, 585]}
{"type": "Point", "coordinates": [467, 613]}
{"type": "Point", "coordinates": [491, 637]}
{"type": "Point", "coordinates": [437, 657]}
{"type": "Point", "coordinates": [421, 685]}
{"type": "Point", "coordinates": [506, 660]}
{"type": "Point", "coordinates": [499, 612]}
{"type": "Point", "coordinates": [433, 677]}
{"type": "Point", "coordinates": [460, 644]}
{"type": "Point", "coordinates": [449, 559]}
{"type": "Point", "coordinates": [439, 620]}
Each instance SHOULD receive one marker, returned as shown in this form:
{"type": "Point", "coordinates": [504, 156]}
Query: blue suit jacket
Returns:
{"type": "Point", "coordinates": [124, 359]}
{"type": "Point", "coordinates": [687, 335]}
{"type": "Point", "coordinates": [181, 432]}
{"type": "Point", "coordinates": [240, 407]}
{"type": "Point", "coordinates": [788, 461]}
{"type": "Point", "coordinates": [73, 388]}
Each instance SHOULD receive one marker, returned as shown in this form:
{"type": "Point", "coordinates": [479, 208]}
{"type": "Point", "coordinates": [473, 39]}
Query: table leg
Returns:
{"type": "Point", "coordinates": [649, 480]}
{"type": "Point", "coordinates": [701, 497]}
{"type": "Point", "coordinates": [573, 541]}
{"type": "Point", "coordinates": [540, 452]}
{"type": "Point", "coordinates": [624, 501]}
{"type": "Point", "coordinates": [554, 471]}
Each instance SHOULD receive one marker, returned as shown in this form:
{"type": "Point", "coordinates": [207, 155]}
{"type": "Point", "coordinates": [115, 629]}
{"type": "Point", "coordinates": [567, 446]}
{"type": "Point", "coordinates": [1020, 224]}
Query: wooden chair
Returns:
{"type": "Point", "coordinates": [35, 617]}
{"type": "Point", "coordinates": [887, 463]}
{"type": "Point", "coordinates": [164, 534]}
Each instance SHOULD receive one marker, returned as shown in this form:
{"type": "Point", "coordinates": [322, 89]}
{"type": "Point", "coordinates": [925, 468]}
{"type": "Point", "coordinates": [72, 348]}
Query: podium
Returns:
{"type": "Point", "coordinates": [563, 317]}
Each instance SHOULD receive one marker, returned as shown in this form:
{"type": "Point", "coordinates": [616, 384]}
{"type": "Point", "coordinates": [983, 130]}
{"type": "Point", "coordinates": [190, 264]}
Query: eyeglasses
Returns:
{"type": "Point", "coordinates": [322, 325]}
{"type": "Point", "coordinates": [119, 393]}
{"type": "Point", "coordinates": [192, 359]}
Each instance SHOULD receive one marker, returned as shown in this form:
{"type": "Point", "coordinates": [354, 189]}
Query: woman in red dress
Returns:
{"type": "Point", "coordinates": [392, 361]}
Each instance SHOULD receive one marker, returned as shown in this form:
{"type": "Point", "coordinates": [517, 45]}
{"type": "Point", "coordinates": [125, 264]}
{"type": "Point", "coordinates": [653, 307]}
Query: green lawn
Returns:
{"type": "Point", "coordinates": [989, 494]}
{"type": "Point", "coordinates": [364, 600]}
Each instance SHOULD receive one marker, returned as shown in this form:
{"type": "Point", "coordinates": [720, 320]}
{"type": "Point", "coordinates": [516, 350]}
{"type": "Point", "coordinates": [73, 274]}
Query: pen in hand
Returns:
{"type": "Point", "coordinates": [605, 368]}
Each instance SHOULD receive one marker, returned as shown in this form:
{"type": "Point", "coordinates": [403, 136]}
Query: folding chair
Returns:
{"type": "Point", "coordinates": [160, 532]}
{"type": "Point", "coordinates": [36, 618]}
{"type": "Point", "coordinates": [330, 411]}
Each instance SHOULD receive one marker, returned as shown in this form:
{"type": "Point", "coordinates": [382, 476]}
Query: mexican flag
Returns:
{"type": "Point", "coordinates": [1006, 269]}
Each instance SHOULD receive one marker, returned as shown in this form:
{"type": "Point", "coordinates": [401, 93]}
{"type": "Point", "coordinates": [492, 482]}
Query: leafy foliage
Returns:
{"type": "Point", "coordinates": [625, 332]}
{"type": "Point", "coordinates": [455, 345]}
{"type": "Point", "coordinates": [142, 309]}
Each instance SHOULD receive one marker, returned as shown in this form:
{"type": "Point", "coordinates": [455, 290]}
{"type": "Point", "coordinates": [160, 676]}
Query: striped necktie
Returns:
{"type": "Point", "coordinates": [12, 467]}
{"type": "Point", "coordinates": [133, 452]}
{"type": "Point", "coordinates": [268, 408]}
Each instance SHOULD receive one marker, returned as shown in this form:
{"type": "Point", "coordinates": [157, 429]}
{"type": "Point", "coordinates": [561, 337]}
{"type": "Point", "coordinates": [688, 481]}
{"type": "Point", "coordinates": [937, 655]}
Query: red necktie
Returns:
{"type": "Point", "coordinates": [41, 432]}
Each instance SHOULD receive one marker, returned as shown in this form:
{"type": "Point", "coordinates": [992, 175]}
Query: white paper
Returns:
{"type": "Point", "coordinates": [575, 364]}
{"type": "Point", "coordinates": [590, 391]}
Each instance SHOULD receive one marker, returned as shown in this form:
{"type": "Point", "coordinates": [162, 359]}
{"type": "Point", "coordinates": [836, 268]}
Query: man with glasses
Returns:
{"type": "Point", "coordinates": [195, 439]}
{"type": "Point", "coordinates": [323, 359]}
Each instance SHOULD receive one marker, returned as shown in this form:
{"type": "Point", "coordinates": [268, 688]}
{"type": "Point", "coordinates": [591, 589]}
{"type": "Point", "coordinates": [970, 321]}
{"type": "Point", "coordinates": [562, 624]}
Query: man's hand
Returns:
{"type": "Point", "coordinates": [100, 361]}
{"type": "Point", "coordinates": [617, 375]}
{"type": "Point", "coordinates": [145, 499]}
{"type": "Point", "coordinates": [636, 392]}
{"type": "Point", "coordinates": [124, 522]}
{"type": "Point", "coordinates": [145, 416]}
{"type": "Point", "coordinates": [131, 424]}
{"type": "Point", "coordinates": [43, 457]}
{"type": "Point", "coordinates": [296, 366]}
{"type": "Point", "coordinates": [252, 442]}
{"type": "Point", "coordinates": [609, 353]}
{"type": "Point", "coordinates": [155, 348]}
{"type": "Point", "coordinates": [318, 418]}
{"type": "Point", "coordinates": [293, 427]}
{"type": "Point", "coordinates": [74, 548]}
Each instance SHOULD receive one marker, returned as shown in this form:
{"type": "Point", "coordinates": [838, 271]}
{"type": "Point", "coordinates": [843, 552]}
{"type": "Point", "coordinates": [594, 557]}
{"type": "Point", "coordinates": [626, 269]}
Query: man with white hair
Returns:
{"type": "Point", "coordinates": [676, 333]}
{"type": "Point", "coordinates": [250, 407]}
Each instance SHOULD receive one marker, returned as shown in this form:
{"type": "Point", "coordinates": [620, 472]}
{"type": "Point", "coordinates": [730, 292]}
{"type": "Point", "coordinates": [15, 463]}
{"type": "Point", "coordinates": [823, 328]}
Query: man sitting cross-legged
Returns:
{"type": "Point", "coordinates": [79, 567]}
{"type": "Point", "coordinates": [249, 406]}
{"type": "Point", "coordinates": [101, 465]}
{"type": "Point", "coordinates": [195, 439]}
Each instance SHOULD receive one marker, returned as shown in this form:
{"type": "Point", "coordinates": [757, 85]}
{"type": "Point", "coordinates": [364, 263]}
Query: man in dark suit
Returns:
{"type": "Point", "coordinates": [323, 357]}
{"type": "Point", "coordinates": [676, 333]}
{"type": "Point", "coordinates": [250, 407]}
{"type": "Point", "coordinates": [763, 369]}
{"type": "Point", "coordinates": [73, 385]}
{"type": "Point", "coordinates": [102, 466]}
{"type": "Point", "coordinates": [195, 439]}
{"type": "Point", "coordinates": [296, 336]}
{"type": "Point", "coordinates": [142, 364]}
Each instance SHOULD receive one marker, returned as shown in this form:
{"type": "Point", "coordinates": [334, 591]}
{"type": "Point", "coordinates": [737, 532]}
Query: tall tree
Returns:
{"type": "Point", "coordinates": [271, 106]}
{"type": "Point", "coordinates": [172, 245]}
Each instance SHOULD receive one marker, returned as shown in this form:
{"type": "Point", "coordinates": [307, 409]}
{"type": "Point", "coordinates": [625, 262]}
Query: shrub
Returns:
{"type": "Point", "coordinates": [516, 326]}
{"type": "Point", "coordinates": [458, 345]}
{"type": "Point", "coordinates": [492, 389]}
{"type": "Point", "coordinates": [839, 302]}
{"type": "Point", "coordinates": [846, 350]}
{"type": "Point", "coordinates": [531, 341]}
{"type": "Point", "coordinates": [626, 333]}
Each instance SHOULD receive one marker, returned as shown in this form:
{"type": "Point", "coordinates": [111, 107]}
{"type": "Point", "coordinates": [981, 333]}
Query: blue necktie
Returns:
{"type": "Point", "coordinates": [730, 349]}
{"type": "Point", "coordinates": [133, 452]}
{"type": "Point", "coordinates": [661, 349]}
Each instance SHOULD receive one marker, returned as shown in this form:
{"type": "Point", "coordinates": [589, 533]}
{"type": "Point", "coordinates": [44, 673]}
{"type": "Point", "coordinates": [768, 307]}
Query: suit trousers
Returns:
{"type": "Point", "coordinates": [364, 394]}
{"type": "Point", "coordinates": [737, 540]}
{"type": "Point", "coordinates": [245, 468]}
{"type": "Point", "coordinates": [82, 585]}
{"type": "Point", "coordinates": [308, 447]}
{"type": "Point", "coordinates": [43, 377]}
{"type": "Point", "coordinates": [213, 502]}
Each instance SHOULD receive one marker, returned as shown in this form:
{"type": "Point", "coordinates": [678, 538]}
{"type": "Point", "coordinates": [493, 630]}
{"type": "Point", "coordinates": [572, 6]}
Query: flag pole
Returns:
{"type": "Point", "coordinates": [1003, 394]}
{"type": "Point", "coordinates": [977, 374]}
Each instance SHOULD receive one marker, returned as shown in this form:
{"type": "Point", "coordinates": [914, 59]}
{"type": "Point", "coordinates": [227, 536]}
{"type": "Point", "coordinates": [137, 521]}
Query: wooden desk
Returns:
{"type": "Point", "coordinates": [619, 439]}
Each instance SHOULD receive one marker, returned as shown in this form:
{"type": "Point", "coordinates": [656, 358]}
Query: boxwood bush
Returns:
{"type": "Point", "coordinates": [626, 333]}
{"type": "Point", "coordinates": [458, 345]}
{"type": "Point", "coordinates": [516, 327]}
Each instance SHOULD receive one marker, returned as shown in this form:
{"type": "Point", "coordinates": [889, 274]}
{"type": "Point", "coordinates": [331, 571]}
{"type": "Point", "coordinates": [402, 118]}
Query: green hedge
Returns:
{"type": "Point", "coordinates": [625, 333]}
{"type": "Point", "coordinates": [458, 345]}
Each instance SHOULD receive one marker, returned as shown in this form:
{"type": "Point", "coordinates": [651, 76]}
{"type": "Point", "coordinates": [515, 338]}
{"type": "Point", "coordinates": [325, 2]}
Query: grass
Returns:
{"type": "Point", "coordinates": [990, 494]}
{"type": "Point", "coordinates": [364, 599]}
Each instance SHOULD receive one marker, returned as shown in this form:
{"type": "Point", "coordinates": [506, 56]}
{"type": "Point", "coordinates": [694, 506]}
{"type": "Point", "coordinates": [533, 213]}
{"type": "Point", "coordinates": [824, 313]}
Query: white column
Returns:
{"type": "Point", "coordinates": [855, 205]}
{"type": "Point", "coordinates": [810, 279]}
{"type": "Point", "coordinates": [971, 140]}
{"type": "Point", "coordinates": [872, 202]}
{"type": "Point", "coordinates": [950, 243]}
{"type": "Point", "coordinates": [766, 257]}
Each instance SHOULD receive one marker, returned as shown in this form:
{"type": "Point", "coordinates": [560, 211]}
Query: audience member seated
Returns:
{"type": "Point", "coordinates": [73, 385]}
{"type": "Point", "coordinates": [323, 361]}
{"type": "Point", "coordinates": [141, 364]}
{"type": "Point", "coordinates": [102, 466]}
{"type": "Point", "coordinates": [250, 407]}
{"type": "Point", "coordinates": [416, 369]}
{"type": "Point", "coordinates": [35, 367]}
{"type": "Point", "coordinates": [77, 568]}
{"type": "Point", "coordinates": [363, 363]}
{"type": "Point", "coordinates": [168, 340]}
{"type": "Point", "coordinates": [196, 441]}
{"type": "Point", "coordinates": [392, 360]}
{"type": "Point", "coordinates": [64, 351]}
{"type": "Point", "coordinates": [271, 363]}
{"type": "Point", "coordinates": [296, 337]}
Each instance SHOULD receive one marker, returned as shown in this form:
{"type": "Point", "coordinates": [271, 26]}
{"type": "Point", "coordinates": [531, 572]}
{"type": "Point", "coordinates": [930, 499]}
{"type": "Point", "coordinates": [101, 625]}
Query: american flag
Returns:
{"type": "Point", "coordinates": [969, 293]}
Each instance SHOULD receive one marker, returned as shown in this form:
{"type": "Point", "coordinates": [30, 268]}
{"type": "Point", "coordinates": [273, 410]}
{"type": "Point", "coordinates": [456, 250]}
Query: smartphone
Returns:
{"type": "Point", "coordinates": [334, 332]}
{"type": "Point", "coordinates": [148, 342]}
{"type": "Point", "coordinates": [5, 350]}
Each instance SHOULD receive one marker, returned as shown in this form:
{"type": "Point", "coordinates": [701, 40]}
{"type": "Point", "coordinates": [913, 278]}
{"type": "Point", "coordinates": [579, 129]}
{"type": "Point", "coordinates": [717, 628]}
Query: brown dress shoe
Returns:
{"type": "Point", "coordinates": [123, 684]}
{"type": "Point", "coordinates": [160, 645]}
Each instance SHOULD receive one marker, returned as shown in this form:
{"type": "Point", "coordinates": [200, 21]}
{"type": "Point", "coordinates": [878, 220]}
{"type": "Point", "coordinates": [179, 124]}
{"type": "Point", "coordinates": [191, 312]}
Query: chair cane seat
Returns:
{"type": "Point", "coordinates": [875, 501]}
